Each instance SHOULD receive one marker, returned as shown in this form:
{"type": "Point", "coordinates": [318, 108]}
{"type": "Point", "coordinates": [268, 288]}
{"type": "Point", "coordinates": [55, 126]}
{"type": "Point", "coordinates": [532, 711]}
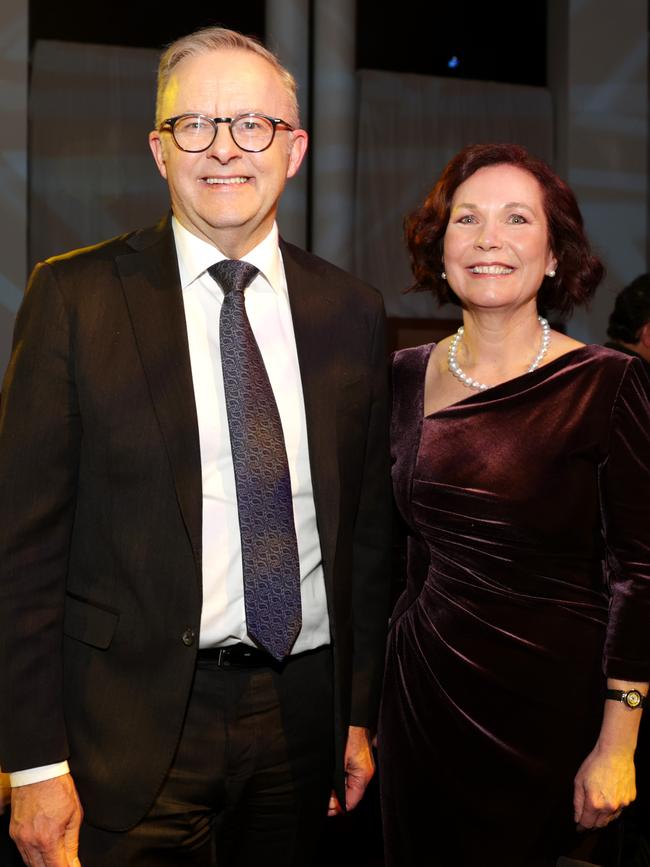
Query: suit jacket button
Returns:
{"type": "Point", "coordinates": [188, 637]}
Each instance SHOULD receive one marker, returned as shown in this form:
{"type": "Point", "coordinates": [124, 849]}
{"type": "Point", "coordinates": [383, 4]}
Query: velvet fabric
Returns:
{"type": "Point", "coordinates": [528, 583]}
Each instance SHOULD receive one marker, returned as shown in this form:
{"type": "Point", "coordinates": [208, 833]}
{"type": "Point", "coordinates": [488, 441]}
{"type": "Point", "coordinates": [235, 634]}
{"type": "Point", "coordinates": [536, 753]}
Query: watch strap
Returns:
{"type": "Point", "coordinates": [631, 698]}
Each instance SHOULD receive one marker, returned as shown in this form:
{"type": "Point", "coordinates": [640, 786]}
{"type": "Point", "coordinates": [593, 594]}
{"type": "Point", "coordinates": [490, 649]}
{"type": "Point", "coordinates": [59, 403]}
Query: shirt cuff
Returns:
{"type": "Point", "coordinates": [38, 775]}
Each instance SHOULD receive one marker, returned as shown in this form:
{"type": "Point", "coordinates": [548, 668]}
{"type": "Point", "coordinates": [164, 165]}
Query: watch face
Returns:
{"type": "Point", "coordinates": [633, 698]}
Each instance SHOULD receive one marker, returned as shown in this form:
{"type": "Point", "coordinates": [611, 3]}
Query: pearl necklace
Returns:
{"type": "Point", "coordinates": [456, 370]}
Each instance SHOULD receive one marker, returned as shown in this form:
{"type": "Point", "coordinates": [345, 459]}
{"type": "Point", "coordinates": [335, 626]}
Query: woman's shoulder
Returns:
{"type": "Point", "coordinates": [618, 378]}
{"type": "Point", "coordinates": [408, 372]}
{"type": "Point", "coordinates": [611, 361]}
{"type": "Point", "coordinates": [411, 360]}
{"type": "Point", "coordinates": [598, 359]}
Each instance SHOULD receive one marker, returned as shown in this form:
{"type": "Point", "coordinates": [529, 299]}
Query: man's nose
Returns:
{"type": "Point", "coordinates": [223, 147]}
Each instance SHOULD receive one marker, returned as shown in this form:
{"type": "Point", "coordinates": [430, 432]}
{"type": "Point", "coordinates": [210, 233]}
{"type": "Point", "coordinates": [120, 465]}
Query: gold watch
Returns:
{"type": "Point", "coordinates": [631, 698]}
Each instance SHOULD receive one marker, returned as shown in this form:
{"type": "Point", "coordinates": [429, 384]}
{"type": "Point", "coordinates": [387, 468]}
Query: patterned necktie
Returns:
{"type": "Point", "coordinates": [268, 534]}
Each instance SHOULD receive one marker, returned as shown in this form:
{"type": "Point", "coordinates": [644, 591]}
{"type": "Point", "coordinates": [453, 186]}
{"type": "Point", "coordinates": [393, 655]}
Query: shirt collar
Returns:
{"type": "Point", "coordinates": [195, 256]}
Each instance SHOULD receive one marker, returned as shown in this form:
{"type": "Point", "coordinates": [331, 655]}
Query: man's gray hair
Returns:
{"type": "Point", "coordinates": [215, 39]}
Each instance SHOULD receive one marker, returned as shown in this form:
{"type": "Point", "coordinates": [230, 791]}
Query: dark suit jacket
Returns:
{"type": "Point", "coordinates": [100, 504]}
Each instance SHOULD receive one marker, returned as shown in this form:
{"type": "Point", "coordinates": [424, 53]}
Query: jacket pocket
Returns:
{"type": "Point", "coordinates": [89, 622]}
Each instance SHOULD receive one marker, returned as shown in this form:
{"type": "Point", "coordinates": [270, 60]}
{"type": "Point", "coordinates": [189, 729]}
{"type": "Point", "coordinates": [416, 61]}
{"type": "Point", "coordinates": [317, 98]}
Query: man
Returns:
{"type": "Point", "coordinates": [151, 679]}
{"type": "Point", "coordinates": [629, 323]}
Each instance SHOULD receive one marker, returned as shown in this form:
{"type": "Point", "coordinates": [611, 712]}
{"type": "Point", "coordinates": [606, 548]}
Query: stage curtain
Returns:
{"type": "Point", "coordinates": [409, 127]}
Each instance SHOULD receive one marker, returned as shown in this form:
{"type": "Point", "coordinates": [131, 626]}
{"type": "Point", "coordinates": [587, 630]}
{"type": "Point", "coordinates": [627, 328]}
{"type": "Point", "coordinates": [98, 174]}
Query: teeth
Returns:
{"type": "Point", "coordinates": [491, 269]}
{"type": "Point", "coordinates": [225, 180]}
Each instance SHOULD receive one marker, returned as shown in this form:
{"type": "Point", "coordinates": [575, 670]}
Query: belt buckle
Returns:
{"type": "Point", "coordinates": [223, 660]}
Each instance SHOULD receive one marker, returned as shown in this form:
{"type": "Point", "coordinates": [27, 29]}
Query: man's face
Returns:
{"type": "Point", "coordinates": [225, 195]}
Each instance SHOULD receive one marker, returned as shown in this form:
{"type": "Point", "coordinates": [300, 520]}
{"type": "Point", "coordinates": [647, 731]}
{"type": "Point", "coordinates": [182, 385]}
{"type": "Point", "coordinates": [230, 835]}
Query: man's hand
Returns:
{"type": "Point", "coordinates": [45, 821]}
{"type": "Point", "coordinates": [604, 785]}
{"type": "Point", "coordinates": [359, 769]}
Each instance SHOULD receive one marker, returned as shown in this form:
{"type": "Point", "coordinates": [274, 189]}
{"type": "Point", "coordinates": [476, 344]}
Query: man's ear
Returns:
{"type": "Point", "coordinates": [157, 150]}
{"type": "Point", "coordinates": [297, 151]}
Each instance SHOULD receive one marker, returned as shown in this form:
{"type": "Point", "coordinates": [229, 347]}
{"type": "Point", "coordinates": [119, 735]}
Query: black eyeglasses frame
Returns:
{"type": "Point", "coordinates": [169, 124]}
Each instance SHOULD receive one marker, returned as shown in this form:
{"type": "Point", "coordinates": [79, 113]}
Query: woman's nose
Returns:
{"type": "Point", "coordinates": [488, 238]}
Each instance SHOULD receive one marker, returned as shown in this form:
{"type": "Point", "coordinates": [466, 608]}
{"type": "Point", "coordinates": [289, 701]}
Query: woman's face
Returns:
{"type": "Point", "coordinates": [496, 246]}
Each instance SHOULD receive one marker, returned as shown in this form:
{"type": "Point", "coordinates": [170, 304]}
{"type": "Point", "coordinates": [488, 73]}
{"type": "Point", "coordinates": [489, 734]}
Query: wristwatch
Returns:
{"type": "Point", "coordinates": [631, 698]}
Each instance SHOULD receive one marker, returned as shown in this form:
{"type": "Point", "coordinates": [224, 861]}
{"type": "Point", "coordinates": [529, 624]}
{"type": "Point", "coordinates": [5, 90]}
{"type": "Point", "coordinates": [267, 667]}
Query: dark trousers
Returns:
{"type": "Point", "coordinates": [9, 856]}
{"type": "Point", "coordinates": [251, 778]}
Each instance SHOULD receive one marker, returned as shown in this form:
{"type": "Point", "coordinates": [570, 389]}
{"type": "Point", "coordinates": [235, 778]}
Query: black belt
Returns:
{"type": "Point", "coordinates": [245, 656]}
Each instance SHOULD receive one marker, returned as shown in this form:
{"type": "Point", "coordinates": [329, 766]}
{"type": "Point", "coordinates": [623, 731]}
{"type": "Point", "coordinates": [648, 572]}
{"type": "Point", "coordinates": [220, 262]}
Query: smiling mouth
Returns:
{"type": "Point", "coordinates": [491, 269]}
{"type": "Point", "coordinates": [225, 181]}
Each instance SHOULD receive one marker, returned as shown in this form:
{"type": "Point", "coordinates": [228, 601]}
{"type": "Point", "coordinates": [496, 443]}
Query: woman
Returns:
{"type": "Point", "coordinates": [521, 465]}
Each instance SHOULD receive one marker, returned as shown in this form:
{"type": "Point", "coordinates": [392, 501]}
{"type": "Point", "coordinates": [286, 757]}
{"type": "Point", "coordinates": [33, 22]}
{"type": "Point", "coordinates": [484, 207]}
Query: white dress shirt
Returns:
{"type": "Point", "coordinates": [223, 619]}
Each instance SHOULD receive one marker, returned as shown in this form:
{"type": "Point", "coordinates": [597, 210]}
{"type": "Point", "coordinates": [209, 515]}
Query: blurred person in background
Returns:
{"type": "Point", "coordinates": [629, 323]}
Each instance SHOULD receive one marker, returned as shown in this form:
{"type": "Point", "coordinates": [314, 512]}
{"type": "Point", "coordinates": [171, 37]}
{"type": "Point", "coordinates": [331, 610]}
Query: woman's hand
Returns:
{"type": "Point", "coordinates": [605, 783]}
{"type": "Point", "coordinates": [603, 786]}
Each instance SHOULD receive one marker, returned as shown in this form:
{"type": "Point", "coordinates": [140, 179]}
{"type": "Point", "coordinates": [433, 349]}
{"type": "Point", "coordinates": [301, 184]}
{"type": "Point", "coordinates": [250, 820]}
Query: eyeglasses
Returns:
{"type": "Point", "coordinates": [251, 132]}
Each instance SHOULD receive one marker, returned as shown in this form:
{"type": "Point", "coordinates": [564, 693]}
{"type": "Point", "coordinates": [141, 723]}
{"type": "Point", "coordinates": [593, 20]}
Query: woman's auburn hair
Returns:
{"type": "Point", "coordinates": [578, 271]}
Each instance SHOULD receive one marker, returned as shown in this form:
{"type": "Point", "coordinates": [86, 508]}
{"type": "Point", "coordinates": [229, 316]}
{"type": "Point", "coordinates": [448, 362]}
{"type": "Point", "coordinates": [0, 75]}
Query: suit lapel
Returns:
{"type": "Point", "coordinates": [310, 308]}
{"type": "Point", "coordinates": [152, 288]}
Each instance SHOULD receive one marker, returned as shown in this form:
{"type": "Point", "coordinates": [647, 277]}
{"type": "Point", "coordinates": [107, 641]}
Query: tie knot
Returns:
{"type": "Point", "coordinates": [233, 274]}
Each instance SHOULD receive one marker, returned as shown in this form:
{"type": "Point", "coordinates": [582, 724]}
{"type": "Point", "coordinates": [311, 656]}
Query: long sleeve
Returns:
{"type": "Point", "coordinates": [625, 501]}
{"type": "Point", "coordinates": [40, 434]}
{"type": "Point", "coordinates": [372, 539]}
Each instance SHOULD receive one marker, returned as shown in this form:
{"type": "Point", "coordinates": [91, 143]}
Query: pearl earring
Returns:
{"type": "Point", "coordinates": [551, 274]}
{"type": "Point", "coordinates": [444, 275]}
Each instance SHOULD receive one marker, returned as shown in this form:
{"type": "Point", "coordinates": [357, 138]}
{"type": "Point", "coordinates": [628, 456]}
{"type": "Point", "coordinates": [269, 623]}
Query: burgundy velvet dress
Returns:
{"type": "Point", "coordinates": [528, 509]}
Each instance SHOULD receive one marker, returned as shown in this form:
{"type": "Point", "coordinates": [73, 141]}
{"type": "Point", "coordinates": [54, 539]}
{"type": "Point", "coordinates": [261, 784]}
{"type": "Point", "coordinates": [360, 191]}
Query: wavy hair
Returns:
{"type": "Point", "coordinates": [578, 271]}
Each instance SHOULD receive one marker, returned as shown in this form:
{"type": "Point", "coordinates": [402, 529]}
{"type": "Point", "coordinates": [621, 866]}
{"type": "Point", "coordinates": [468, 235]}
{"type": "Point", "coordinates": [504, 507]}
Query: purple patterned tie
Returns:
{"type": "Point", "coordinates": [268, 534]}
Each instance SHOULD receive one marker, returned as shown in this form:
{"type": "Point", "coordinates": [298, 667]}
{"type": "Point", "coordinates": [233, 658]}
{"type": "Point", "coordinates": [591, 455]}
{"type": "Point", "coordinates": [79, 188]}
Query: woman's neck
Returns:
{"type": "Point", "coordinates": [498, 345]}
